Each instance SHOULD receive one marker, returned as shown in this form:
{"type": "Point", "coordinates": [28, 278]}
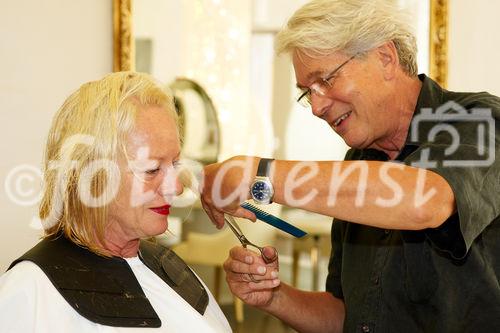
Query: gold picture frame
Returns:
{"type": "Point", "coordinates": [438, 48]}
{"type": "Point", "coordinates": [123, 46]}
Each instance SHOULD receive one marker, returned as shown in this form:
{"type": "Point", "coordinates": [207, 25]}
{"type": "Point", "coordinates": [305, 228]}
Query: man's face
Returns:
{"type": "Point", "coordinates": [356, 104]}
{"type": "Point", "coordinates": [148, 179]}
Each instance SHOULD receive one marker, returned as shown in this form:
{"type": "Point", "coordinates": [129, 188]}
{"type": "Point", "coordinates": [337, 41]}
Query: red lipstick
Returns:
{"type": "Point", "coordinates": [163, 210]}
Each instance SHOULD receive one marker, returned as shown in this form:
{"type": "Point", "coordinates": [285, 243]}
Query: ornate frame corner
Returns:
{"type": "Point", "coordinates": [438, 38]}
{"type": "Point", "coordinates": [123, 47]}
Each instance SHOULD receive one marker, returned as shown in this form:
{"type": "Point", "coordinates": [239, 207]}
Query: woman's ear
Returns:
{"type": "Point", "coordinates": [389, 59]}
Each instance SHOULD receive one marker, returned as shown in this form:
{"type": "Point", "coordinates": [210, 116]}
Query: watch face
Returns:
{"type": "Point", "coordinates": [261, 191]}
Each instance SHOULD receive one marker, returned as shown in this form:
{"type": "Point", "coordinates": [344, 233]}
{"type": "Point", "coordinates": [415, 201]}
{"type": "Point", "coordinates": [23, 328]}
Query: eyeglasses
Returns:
{"type": "Point", "coordinates": [320, 87]}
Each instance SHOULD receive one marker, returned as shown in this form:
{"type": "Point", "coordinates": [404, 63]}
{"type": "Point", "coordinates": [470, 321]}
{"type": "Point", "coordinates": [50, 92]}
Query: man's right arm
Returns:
{"type": "Point", "coordinates": [257, 284]}
{"type": "Point", "coordinates": [307, 311]}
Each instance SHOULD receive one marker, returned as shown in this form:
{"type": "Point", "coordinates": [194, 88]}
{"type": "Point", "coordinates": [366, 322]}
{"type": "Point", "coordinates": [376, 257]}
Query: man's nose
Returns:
{"type": "Point", "coordinates": [318, 104]}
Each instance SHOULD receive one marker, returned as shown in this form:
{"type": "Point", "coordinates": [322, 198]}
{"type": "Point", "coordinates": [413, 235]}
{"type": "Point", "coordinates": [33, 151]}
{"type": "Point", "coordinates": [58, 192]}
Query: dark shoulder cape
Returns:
{"type": "Point", "coordinates": [105, 290]}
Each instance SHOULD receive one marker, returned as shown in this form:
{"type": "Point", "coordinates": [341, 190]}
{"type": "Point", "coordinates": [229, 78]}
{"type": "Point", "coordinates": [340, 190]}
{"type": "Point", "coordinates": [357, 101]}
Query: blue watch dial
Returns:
{"type": "Point", "coordinates": [261, 191]}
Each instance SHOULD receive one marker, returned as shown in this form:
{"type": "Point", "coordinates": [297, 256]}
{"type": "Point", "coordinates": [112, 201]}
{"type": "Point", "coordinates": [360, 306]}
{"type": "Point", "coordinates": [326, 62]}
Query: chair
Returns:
{"type": "Point", "coordinates": [213, 249]}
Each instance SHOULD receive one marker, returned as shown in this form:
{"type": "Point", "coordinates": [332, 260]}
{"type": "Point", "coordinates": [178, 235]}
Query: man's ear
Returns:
{"type": "Point", "coordinates": [389, 59]}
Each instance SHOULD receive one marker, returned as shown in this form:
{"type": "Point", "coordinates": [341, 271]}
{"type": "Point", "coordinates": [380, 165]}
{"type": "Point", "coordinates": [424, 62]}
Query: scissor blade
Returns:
{"type": "Point", "coordinates": [233, 226]}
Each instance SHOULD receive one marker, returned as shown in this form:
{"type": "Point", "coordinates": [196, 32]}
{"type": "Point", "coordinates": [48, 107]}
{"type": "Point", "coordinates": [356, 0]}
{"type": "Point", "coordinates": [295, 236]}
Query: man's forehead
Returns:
{"type": "Point", "coordinates": [310, 67]}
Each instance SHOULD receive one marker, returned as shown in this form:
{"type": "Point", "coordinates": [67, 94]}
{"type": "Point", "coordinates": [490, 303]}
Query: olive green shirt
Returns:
{"type": "Point", "coordinates": [435, 280]}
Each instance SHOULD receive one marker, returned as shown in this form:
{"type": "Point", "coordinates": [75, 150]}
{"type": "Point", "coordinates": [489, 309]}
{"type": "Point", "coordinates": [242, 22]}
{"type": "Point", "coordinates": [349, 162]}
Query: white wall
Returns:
{"type": "Point", "coordinates": [47, 49]}
{"type": "Point", "coordinates": [154, 19]}
{"type": "Point", "coordinates": [474, 52]}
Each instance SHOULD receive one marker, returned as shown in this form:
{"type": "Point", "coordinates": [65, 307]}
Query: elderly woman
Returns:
{"type": "Point", "coordinates": [110, 176]}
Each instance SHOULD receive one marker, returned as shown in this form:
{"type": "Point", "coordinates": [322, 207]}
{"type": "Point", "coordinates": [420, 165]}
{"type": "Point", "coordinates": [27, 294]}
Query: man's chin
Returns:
{"type": "Point", "coordinates": [348, 139]}
{"type": "Point", "coordinates": [356, 144]}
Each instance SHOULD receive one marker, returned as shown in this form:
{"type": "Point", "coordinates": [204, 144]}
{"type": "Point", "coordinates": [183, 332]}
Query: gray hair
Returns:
{"type": "Point", "coordinates": [322, 27]}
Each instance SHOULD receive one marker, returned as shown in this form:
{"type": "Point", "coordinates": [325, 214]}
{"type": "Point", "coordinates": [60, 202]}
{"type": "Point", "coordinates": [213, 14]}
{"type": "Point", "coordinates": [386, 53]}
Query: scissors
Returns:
{"type": "Point", "coordinates": [231, 222]}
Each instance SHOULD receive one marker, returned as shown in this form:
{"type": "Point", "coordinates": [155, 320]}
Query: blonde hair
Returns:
{"type": "Point", "coordinates": [322, 27]}
{"type": "Point", "coordinates": [91, 126]}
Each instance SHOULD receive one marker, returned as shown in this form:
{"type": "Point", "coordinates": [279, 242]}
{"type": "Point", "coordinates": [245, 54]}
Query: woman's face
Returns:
{"type": "Point", "coordinates": [148, 178]}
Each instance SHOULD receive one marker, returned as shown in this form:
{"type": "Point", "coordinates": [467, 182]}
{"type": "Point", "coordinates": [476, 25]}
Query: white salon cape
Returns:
{"type": "Point", "coordinates": [30, 303]}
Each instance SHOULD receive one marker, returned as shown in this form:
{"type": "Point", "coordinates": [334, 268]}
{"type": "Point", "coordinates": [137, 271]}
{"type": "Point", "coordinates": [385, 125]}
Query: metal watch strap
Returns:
{"type": "Point", "coordinates": [264, 167]}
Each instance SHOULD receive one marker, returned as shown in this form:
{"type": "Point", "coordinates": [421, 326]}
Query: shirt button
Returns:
{"type": "Point", "coordinates": [375, 280]}
{"type": "Point", "coordinates": [365, 328]}
{"type": "Point", "coordinates": [386, 231]}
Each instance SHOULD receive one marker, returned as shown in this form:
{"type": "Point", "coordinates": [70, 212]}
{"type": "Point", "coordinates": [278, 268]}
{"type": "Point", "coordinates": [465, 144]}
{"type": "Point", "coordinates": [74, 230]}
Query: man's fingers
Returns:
{"type": "Point", "coordinates": [242, 254]}
{"type": "Point", "coordinates": [266, 284]}
{"type": "Point", "coordinates": [270, 254]}
{"type": "Point", "coordinates": [250, 257]}
{"type": "Point", "coordinates": [207, 210]}
{"type": "Point", "coordinates": [232, 277]}
{"type": "Point", "coordinates": [244, 213]}
{"type": "Point", "coordinates": [243, 260]}
{"type": "Point", "coordinates": [210, 212]}
{"type": "Point", "coordinates": [245, 283]}
{"type": "Point", "coordinates": [218, 218]}
{"type": "Point", "coordinates": [260, 272]}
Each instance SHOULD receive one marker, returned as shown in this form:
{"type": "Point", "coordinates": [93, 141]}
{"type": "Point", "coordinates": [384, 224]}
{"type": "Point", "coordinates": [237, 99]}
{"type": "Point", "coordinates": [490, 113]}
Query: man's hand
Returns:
{"type": "Point", "coordinates": [226, 185]}
{"type": "Point", "coordinates": [241, 263]}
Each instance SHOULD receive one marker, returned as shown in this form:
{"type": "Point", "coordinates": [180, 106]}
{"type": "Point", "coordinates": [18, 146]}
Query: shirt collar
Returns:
{"type": "Point", "coordinates": [430, 96]}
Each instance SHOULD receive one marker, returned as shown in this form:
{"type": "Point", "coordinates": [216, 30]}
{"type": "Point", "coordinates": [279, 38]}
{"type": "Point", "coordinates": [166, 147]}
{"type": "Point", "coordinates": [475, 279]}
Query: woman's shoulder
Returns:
{"type": "Point", "coordinates": [24, 267]}
{"type": "Point", "coordinates": [20, 288]}
{"type": "Point", "coordinates": [25, 274]}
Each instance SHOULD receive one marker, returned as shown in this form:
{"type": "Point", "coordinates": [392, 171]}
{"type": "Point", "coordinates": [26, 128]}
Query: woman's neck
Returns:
{"type": "Point", "coordinates": [118, 243]}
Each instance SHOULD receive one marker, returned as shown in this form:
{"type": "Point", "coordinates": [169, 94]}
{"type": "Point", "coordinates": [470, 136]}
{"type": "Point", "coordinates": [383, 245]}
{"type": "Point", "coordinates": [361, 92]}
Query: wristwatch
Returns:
{"type": "Point", "coordinates": [262, 190]}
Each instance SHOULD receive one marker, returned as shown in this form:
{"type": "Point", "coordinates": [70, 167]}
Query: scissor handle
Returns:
{"type": "Point", "coordinates": [266, 259]}
{"type": "Point", "coordinates": [262, 254]}
{"type": "Point", "coordinates": [244, 241]}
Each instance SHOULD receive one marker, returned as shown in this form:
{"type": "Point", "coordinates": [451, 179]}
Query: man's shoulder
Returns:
{"type": "Point", "coordinates": [469, 100]}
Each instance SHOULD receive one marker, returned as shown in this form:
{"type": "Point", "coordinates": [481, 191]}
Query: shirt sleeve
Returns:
{"type": "Point", "coordinates": [475, 182]}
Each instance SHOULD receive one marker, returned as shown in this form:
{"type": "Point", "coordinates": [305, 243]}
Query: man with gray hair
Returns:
{"type": "Point", "coordinates": [415, 240]}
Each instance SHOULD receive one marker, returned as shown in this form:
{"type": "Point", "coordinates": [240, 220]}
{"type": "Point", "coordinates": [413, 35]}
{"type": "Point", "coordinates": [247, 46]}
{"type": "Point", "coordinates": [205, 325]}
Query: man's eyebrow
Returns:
{"type": "Point", "coordinates": [315, 74]}
{"type": "Point", "coordinates": [310, 76]}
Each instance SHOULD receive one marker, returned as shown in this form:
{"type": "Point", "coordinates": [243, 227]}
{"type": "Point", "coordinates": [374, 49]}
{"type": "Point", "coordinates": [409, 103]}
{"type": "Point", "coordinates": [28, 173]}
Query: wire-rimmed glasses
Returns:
{"type": "Point", "coordinates": [320, 87]}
